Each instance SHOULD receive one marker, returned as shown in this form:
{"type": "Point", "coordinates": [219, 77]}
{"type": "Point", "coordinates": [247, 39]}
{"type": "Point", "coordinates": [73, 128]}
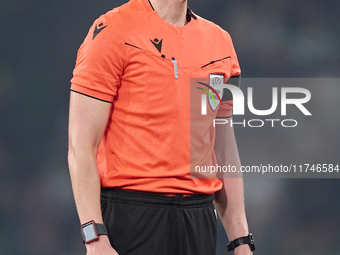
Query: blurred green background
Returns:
{"type": "Point", "coordinates": [278, 38]}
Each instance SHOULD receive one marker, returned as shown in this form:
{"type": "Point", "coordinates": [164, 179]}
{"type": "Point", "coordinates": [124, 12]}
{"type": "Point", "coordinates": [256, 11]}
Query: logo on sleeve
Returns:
{"type": "Point", "coordinates": [215, 81]}
{"type": "Point", "coordinates": [158, 44]}
{"type": "Point", "coordinates": [215, 92]}
{"type": "Point", "coordinates": [98, 29]}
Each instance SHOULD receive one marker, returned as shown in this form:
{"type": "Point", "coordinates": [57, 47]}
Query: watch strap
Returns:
{"type": "Point", "coordinates": [240, 241]}
{"type": "Point", "coordinates": [101, 229]}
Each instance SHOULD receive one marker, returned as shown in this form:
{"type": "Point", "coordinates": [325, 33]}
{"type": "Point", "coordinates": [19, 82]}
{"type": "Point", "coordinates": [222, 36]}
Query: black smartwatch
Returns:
{"type": "Point", "coordinates": [91, 231]}
{"type": "Point", "coordinates": [240, 241]}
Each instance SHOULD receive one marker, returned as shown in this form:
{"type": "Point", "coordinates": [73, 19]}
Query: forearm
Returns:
{"type": "Point", "coordinates": [229, 204]}
{"type": "Point", "coordinates": [229, 201]}
{"type": "Point", "coordinates": [85, 184]}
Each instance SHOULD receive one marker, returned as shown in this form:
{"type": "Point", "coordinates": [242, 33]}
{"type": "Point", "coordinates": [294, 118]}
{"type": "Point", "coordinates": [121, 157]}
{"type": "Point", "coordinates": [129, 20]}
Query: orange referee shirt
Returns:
{"type": "Point", "coordinates": [127, 59]}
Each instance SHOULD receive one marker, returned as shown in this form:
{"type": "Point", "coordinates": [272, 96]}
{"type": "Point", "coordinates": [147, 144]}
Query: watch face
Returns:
{"type": "Point", "coordinates": [251, 238]}
{"type": "Point", "coordinates": [89, 232]}
{"type": "Point", "coordinates": [252, 245]}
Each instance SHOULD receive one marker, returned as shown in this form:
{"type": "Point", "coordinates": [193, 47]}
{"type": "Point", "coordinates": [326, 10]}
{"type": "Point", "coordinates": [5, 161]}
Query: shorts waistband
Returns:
{"type": "Point", "coordinates": [153, 199]}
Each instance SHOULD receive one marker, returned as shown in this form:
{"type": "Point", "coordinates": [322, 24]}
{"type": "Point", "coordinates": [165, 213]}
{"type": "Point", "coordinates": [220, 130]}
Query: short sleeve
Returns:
{"type": "Point", "coordinates": [100, 61]}
{"type": "Point", "coordinates": [225, 110]}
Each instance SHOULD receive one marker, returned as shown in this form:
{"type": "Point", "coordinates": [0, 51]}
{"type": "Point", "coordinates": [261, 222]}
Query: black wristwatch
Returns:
{"type": "Point", "coordinates": [240, 241]}
{"type": "Point", "coordinates": [91, 231]}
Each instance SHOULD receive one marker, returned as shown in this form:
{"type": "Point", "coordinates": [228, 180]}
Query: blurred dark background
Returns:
{"type": "Point", "coordinates": [281, 38]}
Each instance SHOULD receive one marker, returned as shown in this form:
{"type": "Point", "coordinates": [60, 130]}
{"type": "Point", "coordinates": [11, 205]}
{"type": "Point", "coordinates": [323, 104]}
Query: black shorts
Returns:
{"type": "Point", "coordinates": [141, 223]}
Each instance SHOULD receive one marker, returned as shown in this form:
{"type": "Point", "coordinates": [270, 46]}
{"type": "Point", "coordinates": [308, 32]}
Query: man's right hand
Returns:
{"type": "Point", "coordinates": [100, 247]}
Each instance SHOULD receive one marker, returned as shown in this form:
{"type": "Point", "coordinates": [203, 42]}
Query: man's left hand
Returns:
{"type": "Point", "coordinates": [243, 250]}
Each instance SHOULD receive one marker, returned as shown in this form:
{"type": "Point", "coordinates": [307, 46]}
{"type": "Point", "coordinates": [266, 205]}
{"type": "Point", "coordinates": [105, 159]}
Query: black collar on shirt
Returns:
{"type": "Point", "coordinates": [189, 13]}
